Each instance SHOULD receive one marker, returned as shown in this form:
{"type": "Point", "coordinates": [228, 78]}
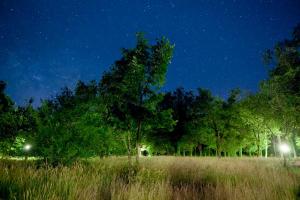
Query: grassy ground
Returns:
{"type": "Point", "coordinates": [156, 178]}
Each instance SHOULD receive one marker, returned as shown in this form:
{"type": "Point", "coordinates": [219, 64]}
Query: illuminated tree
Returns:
{"type": "Point", "coordinates": [283, 86]}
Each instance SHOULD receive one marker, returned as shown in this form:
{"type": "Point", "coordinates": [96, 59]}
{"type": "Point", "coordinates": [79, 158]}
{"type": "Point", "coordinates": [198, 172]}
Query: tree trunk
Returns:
{"type": "Point", "coordinates": [127, 144]}
{"type": "Point", "coordinates": [218, 140]}
{"type": "Point", "coordinates": [219, 152]}
{"type": "Point", "coordinates": [129, 150]}
{"type": "Point", "coordinates": [279, 143]}
{"type": "Point", "coordinates": [258, 146]}
{"type": "Point", "coordinates": [178, 151]}
{"type": "Point", "coordinates": [293, 150]}
{"type": "Point", "coordinates": [218, 145]}
{"type": "Point", "coordinates": [274, 146]}
{"type": "Point", "coordinates": [138, 149]}
{"type": "Point", "coordinates": [293, 143]}
{"type": "Point", "coordinates": [241, 152]}
{"type": "Point", "coordinates": [260, 153]}
{"type": "Point", "coordinates": [266, 149]}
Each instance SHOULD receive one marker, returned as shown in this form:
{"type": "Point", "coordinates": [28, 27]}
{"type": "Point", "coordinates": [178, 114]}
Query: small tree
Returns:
{"type": "Point", "coordinates": [15, 121]}
{"type": "Point", "coordinates": [217, 118]}
{"type": "Point", "coordinates": [8, 121]}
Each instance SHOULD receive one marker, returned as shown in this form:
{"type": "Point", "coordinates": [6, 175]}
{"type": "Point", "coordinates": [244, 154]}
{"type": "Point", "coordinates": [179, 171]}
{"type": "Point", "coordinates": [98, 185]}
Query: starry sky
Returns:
{"type": "Point", "coordinates": [46, 44]}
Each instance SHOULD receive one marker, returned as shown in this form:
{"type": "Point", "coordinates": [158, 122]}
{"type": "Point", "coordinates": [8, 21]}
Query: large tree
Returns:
{"type": "Point", "coordinates": [283, 86]}
{"type": "Point", "coordinates": [131, 89]}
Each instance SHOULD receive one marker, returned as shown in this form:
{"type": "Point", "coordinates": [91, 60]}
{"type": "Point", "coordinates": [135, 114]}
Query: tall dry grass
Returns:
{"type": "Point", "coordinates": [156, 178]}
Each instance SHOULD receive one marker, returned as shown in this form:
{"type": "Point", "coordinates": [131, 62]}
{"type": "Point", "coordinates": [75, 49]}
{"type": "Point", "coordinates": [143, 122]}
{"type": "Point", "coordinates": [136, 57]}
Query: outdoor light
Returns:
{"type": "Point", "coordinates": [144, 151]}
{"type": "Point", "coordinates": [284, 148]}
{"type": "Point", "coordinates": [27, 147]}
{"type": "Point", "coordinates": [143, 148]}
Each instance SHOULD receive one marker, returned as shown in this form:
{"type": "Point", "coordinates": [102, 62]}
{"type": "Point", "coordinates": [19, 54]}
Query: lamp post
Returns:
{"type": "Point", "coordinates": [26, 148]}
{"type": "Point", "coordinates": [285, 149]}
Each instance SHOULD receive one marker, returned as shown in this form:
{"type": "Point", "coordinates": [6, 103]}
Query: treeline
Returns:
{"type": "Point", "coordinates": [126, 113]}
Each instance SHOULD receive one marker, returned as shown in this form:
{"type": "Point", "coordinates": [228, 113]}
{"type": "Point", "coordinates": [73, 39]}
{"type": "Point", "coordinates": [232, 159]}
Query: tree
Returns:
{"type": "Point", "coordinates": [17, 123]}
{"type": "Point", "coordinates": [218, 119]}
{"type": "Point", "coordinates": [72, 127]}
{"type": "Point", "coordinates": [130, 88]}
{"type": "Point", "coordinates": [283, 86]}
{"type": "Point", "coordinates": [85, 92]}
{"type": "Point", "coordinates": [8, 123]}
{"type": "Point", "coordinates": [181, 102]}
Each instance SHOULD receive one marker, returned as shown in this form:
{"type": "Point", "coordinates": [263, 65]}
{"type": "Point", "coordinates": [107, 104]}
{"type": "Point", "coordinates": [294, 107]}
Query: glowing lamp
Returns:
{"type": "Point", "coordinates": [284, 148]}
{"type": "Point", "coordinates": [27, 147]}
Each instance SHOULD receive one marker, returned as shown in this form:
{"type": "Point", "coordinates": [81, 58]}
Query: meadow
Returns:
{"type": "Point", "coordinates": [156, 178]}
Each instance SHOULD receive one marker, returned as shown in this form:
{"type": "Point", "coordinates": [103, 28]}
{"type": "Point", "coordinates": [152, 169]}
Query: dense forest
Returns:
{"type": "Point", "coordinates": [127, 113]}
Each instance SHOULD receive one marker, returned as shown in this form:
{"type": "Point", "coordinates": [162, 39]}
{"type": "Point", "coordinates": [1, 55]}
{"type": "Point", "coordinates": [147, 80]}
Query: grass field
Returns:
{"type": "Point", "coordinates": [156, 178]}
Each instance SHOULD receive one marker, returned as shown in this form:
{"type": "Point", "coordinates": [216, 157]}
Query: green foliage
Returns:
{"type": "Point", "coordinates": [15, 123]}
{"type": "Point", "coordinates": [130, 89]}
{"type": "Point", "coordinates": [18, 146]}
{"type": "Point", "coordinates": [8, 121]}
{"type": "Point", "coordinates": [283, 87]}
{"type": "Point", "coordinates": [69, 131]}
{"type": "Point", "coordinates": [128, 109]}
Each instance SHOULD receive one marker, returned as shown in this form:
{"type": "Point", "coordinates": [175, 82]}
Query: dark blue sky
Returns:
{"type": "Point", "coordinates": [47, 44]}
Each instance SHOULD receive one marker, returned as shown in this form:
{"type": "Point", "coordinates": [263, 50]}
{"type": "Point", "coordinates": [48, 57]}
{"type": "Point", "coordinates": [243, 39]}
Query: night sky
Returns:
{"type": "Point", "coordinates": [48, 44]}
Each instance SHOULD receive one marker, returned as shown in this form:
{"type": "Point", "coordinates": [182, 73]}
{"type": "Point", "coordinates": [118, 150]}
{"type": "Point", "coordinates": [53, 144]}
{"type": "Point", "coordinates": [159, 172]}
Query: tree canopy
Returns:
{"type": "Point", "coordinates": [127, 111]}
